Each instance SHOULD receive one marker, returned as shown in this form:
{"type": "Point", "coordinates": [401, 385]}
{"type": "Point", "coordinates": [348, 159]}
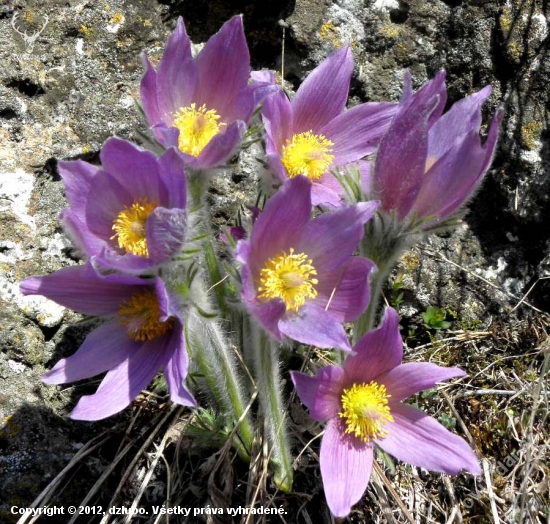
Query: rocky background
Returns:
{"type": "Point", "coordinates": [69, 77]}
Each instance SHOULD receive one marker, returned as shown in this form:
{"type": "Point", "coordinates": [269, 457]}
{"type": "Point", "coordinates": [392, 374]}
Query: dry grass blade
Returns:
{"type": "Point", "coordinates": [393, 493]}
{"type": "Point", "coordinates": [158, 455]}
{"type": "Point", "coordinates": [49, 490]}
{"type": "Point", "coordinates": [490, 492]}
{"type": "Point", "coordinates": [146, 444]}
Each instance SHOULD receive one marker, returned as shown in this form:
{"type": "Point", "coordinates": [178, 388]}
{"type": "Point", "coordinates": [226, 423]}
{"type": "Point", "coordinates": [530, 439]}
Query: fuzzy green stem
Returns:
{"type": "Point", "coordinates": [271, 402]}
{"type": "Point", "coordinates": [214, 360]}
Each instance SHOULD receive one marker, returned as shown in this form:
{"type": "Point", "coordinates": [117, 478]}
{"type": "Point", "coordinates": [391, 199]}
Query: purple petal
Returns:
{"type": "Point", "coordinates": [169, 139]}
{"type": "Point", "coordinates": [247, 99]}
{"type": "Point", "coordinates": [471, 183]}
{"type": "Point", "coordinates": [242, 252]}
{"type": "Point", "coordinates": [432, 89]}
{"type": "Point", "coordinates": [77, 177]}
{"type": "Point", "coordinates": [268, 313]}
{"type": "Point", "coordinates": [172, 173]}
{"type": "Point", "coordinates": [81, 288]}
{"type": "Point", "coordinates": [331, 239]}
{"type": "Point", "coordinates": [357, 132]}
{"type": "Point", "coordinates": [491, 141]}
{"type": "Point", "coordinates": [223, 68]}
{"type": "Point", "coordinates": [401, 158]}
{"type": "Point", "coordinates": [407, 379]}
{"type": "Point", "coordinates": [102, 211]}
{"type": "Point", "coordinates": [324, 93]}
{"type": "Point", "coordinates": [313, 325]}
{"type": "Point", "coordinates": [284, 217]}
{"type": "Point", "coordinates": [135, 169]}
{"type": "Point", "coordinates": [346, 465]}
{"type": "Point", "coordinates": [104, 348]}
{"type": "Point", "coordinates": [321, 393]}
{"type": "Point", "coordinates": [365, 175]}
{"type": "Point", "coordinates": [263, 76]}
{"type": "Point", "coordinates": [175, 370]}
{"type": "Point", "coordinates": [451, 178]}
{"type": "Point", "coordinates": [347, 296]}
{"type": "Point", "coordinates": [463, 117]}
{"type": "Point", "coordinates": [407, 87]}
{"type": "Point", "coordinates": [127, 263]}
{"type": "Point", "coordinates": [168, 304]}
{"type": "Point", "coordinates": [89, 243]}
{"type": "Point", "coordinates": [277, 119]}
{"type": "Point", "coordinates": [176, 76]}
{"type": "Point", "coordinates": [148, 93]}
{"type": "Point", "coordinates": [376, 352]}
{"type": "Point", "coordinates": [165, 233]}
{"type": "Point", "coordinates": [123, 383]}
{"type": "Point", "coordinates": [327, 192]}
{"type": "Point", "coordinates": [420, 440]}
{"type": "Point", "coordinates": [221, 147]}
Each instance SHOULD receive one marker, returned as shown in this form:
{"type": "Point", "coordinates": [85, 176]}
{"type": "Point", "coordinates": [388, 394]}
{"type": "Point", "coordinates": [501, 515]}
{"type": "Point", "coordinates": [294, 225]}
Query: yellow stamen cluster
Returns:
{"type": "Point", "coordinates": [141, 316]}
{"type": "Point", "coordinates": [307, 154]}
{"type": "Point", "coordinates": [288, 277]}
{"type": "Point", "coordinates": [366, 411]}
{"type": "Point", "coordinates": [129, 227]}
{"type": "Point", "coordinates": [197, 127]}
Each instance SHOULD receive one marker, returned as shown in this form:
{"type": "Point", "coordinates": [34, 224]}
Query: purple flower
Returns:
{"type": "Point", "coordinates": [201, 105]}
{"type": "Point", "coordinates": [313, 135]}
{"type": "Point", "coordinates": [130, 213]}
{"type": "Point", "coordinates": [143, 334]}
{"type": "Point", "coordinates": [299, 277]}
{"type": "Point", "coordinates": [362, 403]}
{"type": "Point", "coordinates": [429, 163]}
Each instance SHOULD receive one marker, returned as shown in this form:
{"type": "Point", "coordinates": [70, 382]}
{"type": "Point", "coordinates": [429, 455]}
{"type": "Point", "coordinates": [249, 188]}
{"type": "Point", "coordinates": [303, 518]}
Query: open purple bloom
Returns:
{"type": "Point", "coordinates": [130, 214]}
{"type": "Point", "coordinates": [299, 277]}
{"type": "Point", "coordinates": [362, 405]}
{"type": "Point", "coordinates": [201, 105]}
{"type": "Point", "coordinates": [144, 333]}
{"type": "Point", "coordinates": [429, 163]}
{"type": "Point", "coordinates": [313, 134]}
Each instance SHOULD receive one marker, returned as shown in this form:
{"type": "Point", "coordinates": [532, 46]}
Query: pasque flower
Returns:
{"type": "Point", "coordinates": [299, 277]}
{"type": "Point", "coordinates": [201, 105]}
{"type": "Point", "coordinates": [130, 214]}
{"type": "Point", "coordinates": [429, 162]}
{"type": "Point", "coordinates": [362, 405]}
{"type": "Point", "coordinates": [143, 334]}
{"type": "Point", "coordinates": [313, 134]}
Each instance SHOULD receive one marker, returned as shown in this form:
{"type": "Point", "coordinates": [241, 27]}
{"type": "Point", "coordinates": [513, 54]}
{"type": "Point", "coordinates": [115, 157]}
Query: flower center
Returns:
{"type": "Point", "coordinates": [129, 227]}
{"type": "Point", "coordinates": [197, 127]}
{"type": "Point", "coordinates": [365, 408]}
{"type": "Point", "coordinates": [141, 313]}
{"type": "Point", "coordinates": [288, 277]}
{"type": "Point", "coordinates": [307, 154]}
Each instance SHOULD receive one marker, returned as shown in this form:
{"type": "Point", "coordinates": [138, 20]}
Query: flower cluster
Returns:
{"type": "Point", "coordinates": [152, 270]}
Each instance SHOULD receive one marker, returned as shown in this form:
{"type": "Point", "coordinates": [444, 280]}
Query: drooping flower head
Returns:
{"type": "Point", "coordinates": [362, 403]}
{"type": "Point", "coordinates": [143, 333]}
{"type": "Point", "coordinates": [130, 214]}
{"type": "Point", "coordinates": [313, 134]}
{"type": "Point", "coordinates": [201, 105]}
{"type": "Point", "coordinates": [429, 163]}
{"type": "Point", "coordinates": [299, 277]}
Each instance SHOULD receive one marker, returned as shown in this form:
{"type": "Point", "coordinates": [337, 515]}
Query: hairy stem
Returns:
{"type": "Point", "coordinates": [214, 359]}
{"type": "Point", "coordinates": [266, 367]}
